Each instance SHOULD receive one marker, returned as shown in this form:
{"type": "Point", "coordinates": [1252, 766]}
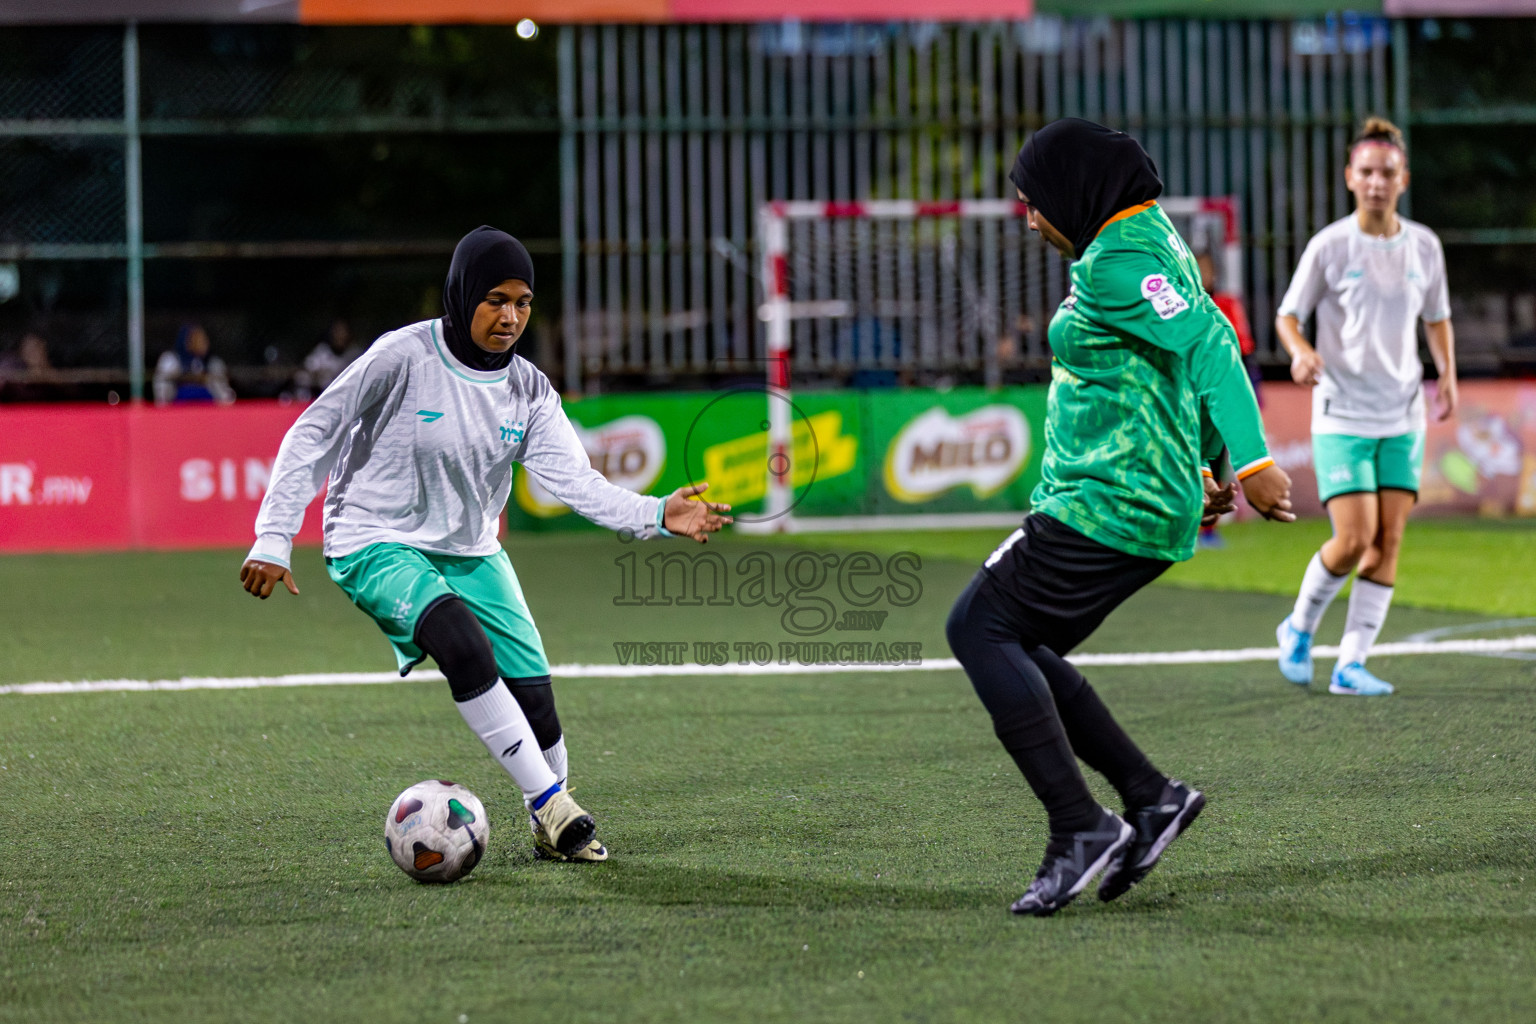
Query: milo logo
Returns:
{"type": "Point", "coordinates": [984, 449]}
{"type": "Point", "coordinates": [629, 451]}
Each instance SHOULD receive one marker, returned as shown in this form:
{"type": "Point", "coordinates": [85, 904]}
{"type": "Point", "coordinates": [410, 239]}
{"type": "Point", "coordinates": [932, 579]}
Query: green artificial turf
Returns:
{"type": "Point", "coordinates": [156, 615]}
{"type": "Point", "coordinates": [218, 855]}
{"type": "Point", "coordinates": [1474, 565]}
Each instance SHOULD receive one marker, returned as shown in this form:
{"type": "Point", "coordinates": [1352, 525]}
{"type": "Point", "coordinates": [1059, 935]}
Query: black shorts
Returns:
{"type": "Point", "coordinates": [1057, 585]}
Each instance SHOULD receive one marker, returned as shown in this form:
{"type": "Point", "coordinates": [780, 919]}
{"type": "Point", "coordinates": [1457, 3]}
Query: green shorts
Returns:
{"type": "Point", "coordinates": [396, 584]}
{"type": "Point", "coordinates": [1346, 464]}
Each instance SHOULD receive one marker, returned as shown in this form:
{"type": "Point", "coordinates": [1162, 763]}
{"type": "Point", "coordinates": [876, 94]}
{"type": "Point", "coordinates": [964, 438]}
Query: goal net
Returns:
{"type": "Point", "coordinates": [910, 294]}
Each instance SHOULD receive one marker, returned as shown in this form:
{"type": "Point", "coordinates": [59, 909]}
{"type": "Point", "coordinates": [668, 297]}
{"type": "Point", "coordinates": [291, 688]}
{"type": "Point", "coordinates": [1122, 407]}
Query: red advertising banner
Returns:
{"type": "Point", "coordinates": [1459, 8]}
{"type": "Point", "coordinates": [198, 473]}
{"type": "Point", "coordinates": [92, 478]}
{"type": "Point", "coordinates": [376, 12]}
{"type": "Point", "coordinates": [88, 477]}
{"type": "Point", "coordinates": [848, 10]}
{"type": "Point", "coordinates": [63, 478]}
{"type": "Point", "coordinates": [1481, 461]}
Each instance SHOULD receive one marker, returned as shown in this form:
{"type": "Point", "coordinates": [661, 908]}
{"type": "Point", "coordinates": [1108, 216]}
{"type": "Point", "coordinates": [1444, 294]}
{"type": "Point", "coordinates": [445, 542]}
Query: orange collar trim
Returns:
{"type": "Point", "coordinates": [1129, 211]}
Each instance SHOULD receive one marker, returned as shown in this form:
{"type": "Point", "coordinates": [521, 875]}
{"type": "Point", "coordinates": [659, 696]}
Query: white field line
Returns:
{"type": "Point", "coordinates": [1241, 654]}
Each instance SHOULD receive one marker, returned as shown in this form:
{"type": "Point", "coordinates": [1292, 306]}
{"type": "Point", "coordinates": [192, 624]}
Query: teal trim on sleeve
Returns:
{"type": "Point", "coordinates": [661, 508]}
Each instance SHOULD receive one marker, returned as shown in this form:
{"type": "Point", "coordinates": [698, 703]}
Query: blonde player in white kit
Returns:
{"type": "Point", "coordinates": [415, 441]}
{"type": "Point", "coordinates": [1369, 278]}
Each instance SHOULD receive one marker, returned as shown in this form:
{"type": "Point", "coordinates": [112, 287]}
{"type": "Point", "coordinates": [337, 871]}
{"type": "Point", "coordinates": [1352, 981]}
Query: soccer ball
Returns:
{"type": "Point", "coordinates": [436, 831]}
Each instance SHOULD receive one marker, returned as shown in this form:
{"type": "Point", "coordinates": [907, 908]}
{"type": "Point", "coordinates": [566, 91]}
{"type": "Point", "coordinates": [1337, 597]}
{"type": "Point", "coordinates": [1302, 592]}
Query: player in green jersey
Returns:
{"type": "Point", "coordinates": [1142, 358]}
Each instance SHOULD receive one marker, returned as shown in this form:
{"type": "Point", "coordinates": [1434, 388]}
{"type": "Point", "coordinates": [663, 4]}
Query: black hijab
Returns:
{"type": "Point", "coordinates": [1078, 174]}
{"type": "Point", "coordinates": [482, 260]}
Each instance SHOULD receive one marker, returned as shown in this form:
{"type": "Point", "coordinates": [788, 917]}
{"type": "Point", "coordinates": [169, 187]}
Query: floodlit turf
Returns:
{"type": "Point", "coordinates": [153, 615]}
{"type": "Point", "coordinates": [219, 856]}
{"type": "Point", "coordinates": [1475, 565]}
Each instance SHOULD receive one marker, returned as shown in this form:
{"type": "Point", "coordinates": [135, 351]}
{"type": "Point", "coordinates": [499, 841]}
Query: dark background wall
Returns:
{"type": "Point", "coordinates": [295, 174]}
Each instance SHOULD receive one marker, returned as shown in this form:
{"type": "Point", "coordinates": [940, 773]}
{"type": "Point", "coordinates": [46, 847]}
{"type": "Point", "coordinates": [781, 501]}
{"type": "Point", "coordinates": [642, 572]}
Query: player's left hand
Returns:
{"type": "Point", "coordinates": [696, 519]}
{"type": "Point", "coordinates": [1218, 500]}
{"type": "Point", "coordinates": [1445, 399]}
{"type": "Point", "coordinates": [1269, 492]}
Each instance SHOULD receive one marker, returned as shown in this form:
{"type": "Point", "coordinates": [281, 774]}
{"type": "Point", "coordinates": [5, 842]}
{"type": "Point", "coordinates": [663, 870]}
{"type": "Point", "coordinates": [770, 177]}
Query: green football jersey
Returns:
{"type": "Point", "coordinates": [1140, 356]}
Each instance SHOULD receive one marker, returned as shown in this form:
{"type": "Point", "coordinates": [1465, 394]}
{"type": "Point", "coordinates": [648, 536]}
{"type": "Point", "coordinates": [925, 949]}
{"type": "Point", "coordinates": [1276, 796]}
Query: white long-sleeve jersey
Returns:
{"type": "Point", "coordinates": [1369, 294]}
{"type": "Point", "coordinates": [417, 449]}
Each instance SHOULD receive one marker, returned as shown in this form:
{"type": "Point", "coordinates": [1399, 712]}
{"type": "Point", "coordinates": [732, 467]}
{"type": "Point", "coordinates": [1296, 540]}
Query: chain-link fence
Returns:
{"type": "Point", "coordinates": [290, 176]}
{"type": "Point", "coordinates": [293, 174]}
{"type": "Point", "coordinates": [61, 73]}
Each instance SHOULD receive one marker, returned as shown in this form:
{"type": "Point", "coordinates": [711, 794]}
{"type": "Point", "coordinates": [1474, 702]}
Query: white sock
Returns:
{"type": "Point", "coordinates": [1318, 589]}
{"type": "Point", "coordinates": [504, 729]}
{"type": "Point", "coordinates": [1368, 604]}
{"type": "Point", "coordinates": [555, 758]}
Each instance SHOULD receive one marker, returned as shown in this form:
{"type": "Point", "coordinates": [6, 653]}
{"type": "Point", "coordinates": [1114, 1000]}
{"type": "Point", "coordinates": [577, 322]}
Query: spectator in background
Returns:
{"type": "Point", "coordinates": [325, 363]}
{"type": "Point", "coordinates": [189, 373]}
{"type": "Point", "coordinates": [27, 374]}
{"type": "Point", "coordinates": [1012, 353]}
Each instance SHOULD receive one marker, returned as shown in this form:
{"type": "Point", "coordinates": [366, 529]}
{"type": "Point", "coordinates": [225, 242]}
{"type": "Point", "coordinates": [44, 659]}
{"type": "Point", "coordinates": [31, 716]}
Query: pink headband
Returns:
{"type": "Point", "coordinates": [1376, 142]}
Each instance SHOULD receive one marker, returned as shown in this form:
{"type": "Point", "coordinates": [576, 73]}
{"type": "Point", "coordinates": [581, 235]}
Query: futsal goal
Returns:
{"type": "Point", "coordinates": [914, 294]}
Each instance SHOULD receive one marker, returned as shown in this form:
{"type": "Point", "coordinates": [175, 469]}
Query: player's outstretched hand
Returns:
{"type": "Point", "coordinates": [1307, 367]}
{"type": "Point", "coordinates": [1269, 492]}
{"type": "Point", "coordinates": [261, 578]}
{"type": "Point", "coordinates": [696, 519]}
{"type": "Point", "coordinates": [1218, 500]}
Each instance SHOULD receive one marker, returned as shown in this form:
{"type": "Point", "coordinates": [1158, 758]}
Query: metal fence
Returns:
{"type": "Point", "coordinates": [668, 138]}
{"type": "Point", "coordinates": [248, 169]}
{"type": "Point", "coordinates": [676, 135]}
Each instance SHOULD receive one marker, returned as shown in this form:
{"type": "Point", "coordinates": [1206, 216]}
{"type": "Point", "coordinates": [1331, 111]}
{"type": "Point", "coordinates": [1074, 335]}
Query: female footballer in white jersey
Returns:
{"type": "Point", "coordinates": [415, 441]}
{"type": "Point", "coordinates": [1369, 278]}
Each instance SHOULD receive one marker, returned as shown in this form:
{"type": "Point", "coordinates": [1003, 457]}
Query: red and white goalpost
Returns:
{"type": "Point", "coordinates": [1208, 224]}
{"type": "Point", "coordinates": [959, 273]}
{"type": "Point", "coordinates": [779, 309]}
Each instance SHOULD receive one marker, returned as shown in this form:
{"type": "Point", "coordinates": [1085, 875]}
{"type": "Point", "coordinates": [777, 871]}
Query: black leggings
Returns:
{"type": "Point", "coordinates": [451, 634]}
{"type": "Point", "coordinates": [1009, 630]}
